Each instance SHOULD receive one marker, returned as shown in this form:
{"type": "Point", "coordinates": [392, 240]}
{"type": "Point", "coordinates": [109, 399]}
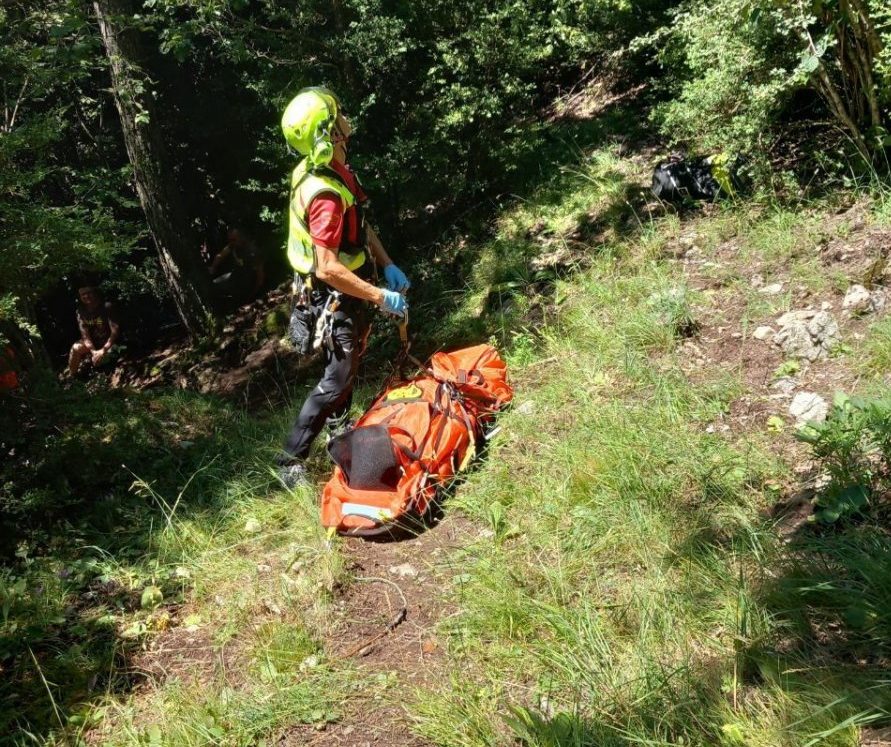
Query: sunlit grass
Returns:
{"type": "Point", "coordinates": [621, 596]}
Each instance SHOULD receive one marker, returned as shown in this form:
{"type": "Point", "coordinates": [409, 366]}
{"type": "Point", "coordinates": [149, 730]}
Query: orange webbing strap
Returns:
{"type": "Point", "coordinates": [403, 355]}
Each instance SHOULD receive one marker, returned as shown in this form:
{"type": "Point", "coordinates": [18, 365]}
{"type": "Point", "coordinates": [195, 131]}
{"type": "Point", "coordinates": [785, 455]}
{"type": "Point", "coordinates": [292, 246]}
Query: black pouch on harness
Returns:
{"type": "Point", "coordinates": [302, 328]}
{"type": "Point", "coordinates": [367, 457]}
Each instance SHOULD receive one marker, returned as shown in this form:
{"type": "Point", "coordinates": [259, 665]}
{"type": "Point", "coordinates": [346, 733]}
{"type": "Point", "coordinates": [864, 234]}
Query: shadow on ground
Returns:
{"type": "Point", "coordinates": [89, 485]}
{"type": "Point", "coordinates": [830, 593]}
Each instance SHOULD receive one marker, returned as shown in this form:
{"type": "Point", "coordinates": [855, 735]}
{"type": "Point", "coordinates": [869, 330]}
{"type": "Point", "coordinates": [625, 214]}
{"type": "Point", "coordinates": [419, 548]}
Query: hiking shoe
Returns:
{"type": "Point", "coordinates": [293, 475]}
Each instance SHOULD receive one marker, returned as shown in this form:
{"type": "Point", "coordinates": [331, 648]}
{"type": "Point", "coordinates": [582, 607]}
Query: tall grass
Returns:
{"type": "Point", "coordinates": [631, 589]}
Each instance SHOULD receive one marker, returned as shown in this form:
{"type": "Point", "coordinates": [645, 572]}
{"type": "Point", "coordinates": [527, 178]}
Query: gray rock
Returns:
{"type": "Point", "coordinates": [824, 329]}
{"type": "Point", "coordinates": [859, 301]}
{"type": "Point", "coordinates": [784, 386]}
{"type": "Point", "coordinates": [808, 407]}
{"type": "Point", "coordinates": [764, 333]}
{"type": "Point", "coordinates": [771, 290]}
{"type": "Point", "coordinates": [406, 570]}
{"type": "Point", "coordinates": [527, 408]}
{"type": "Point", "coordinates": [796, 342]}
{"type": "Point", "coordinates": [795, 316]}
{"type": "Point", "coordinates": [807, 335]}
{"type": "Point", "coordinates": [252, 526]}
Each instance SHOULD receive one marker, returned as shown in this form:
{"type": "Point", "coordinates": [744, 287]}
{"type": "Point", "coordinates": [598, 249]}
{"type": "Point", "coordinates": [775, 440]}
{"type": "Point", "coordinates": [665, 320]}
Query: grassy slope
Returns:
{"type": "Point", "coordinates": [633, 590]}
{"type": "Point", "coordinates": [628, 590]}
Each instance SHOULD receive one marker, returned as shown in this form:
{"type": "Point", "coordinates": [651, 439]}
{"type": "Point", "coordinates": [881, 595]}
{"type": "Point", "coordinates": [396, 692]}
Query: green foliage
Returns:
{"type": "Point", "coordinates": [733, 66]}
{"type": "Point", "coordinates": [853, 446]}
{"type": "Point", "coordinates": [64, 197]}
{"type": "Point", "coordinates": [674, 309]}
{"type": "Point", "coordinates": [730, 67]}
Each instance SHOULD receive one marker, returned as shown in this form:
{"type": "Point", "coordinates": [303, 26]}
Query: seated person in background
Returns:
{"type": "Point", "coordinates": [238, 269]}
{"type": "Point", "coordinates": [99, 331]}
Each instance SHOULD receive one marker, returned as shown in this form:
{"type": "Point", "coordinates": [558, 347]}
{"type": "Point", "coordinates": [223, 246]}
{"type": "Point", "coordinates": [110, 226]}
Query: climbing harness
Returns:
{"type": "Point", "coordinates": [325, 324]}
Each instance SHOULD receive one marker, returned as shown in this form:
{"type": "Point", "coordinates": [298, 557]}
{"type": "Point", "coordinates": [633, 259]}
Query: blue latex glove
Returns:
{"type": "Point", "coordinates": [394, 303]}
{"type": "Point", "coordinates": [396, 280]}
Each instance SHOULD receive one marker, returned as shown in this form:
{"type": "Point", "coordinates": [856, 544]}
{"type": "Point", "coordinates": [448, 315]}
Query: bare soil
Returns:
{"type": "Point", "coordinates": [389, 577]}
{"type": "Point", "coordinates": [246, 360]}
{"type": "Point", "coordinates": [849, 249]}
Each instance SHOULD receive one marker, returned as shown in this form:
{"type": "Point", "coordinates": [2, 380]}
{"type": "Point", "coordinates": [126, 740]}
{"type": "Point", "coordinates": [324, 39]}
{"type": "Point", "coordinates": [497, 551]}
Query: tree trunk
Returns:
{"type": "Point", "coordinates": [156, 180]}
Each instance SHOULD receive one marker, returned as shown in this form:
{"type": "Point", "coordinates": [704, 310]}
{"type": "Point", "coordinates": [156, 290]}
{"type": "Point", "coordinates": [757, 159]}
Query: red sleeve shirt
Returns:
{"type": "Point", "coordinates": [326, 216]}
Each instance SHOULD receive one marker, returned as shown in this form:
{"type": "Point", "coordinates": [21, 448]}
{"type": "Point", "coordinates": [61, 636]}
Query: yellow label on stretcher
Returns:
{"type": "Point", "coordinates": [409, 391]}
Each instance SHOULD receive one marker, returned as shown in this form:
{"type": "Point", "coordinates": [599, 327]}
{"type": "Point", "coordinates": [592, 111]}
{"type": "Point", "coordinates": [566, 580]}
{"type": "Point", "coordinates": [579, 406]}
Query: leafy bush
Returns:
{"type": "Point", "coordinates": [853, 446]}
{"type": "Point", "coordinates": [733, 67]}
{"type": "Point", "coordinates": [729, 73]}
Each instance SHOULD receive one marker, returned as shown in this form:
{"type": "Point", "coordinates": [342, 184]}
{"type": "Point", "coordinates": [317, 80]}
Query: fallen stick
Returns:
{"type": "Point", "coordinates": [391, 626]}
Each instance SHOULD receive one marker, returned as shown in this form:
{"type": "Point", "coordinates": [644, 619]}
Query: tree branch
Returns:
{"type": "Point", "coordinates": [10, 120]}
{"type": "Point", "coordinates": [829, 90]}
{"type": "Point", "coordinates": [860, 26]}
{"type": "Point", "coordinates": [869, 31]}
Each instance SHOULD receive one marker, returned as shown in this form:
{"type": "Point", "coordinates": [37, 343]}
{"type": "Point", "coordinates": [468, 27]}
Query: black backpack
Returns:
{"type": "Point", "coordinates": [700, 178]}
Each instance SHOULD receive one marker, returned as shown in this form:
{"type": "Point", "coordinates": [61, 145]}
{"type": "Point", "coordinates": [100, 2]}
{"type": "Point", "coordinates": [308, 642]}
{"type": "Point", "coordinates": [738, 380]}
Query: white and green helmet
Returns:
{"type": "Point", "coordinates": [308, 122]}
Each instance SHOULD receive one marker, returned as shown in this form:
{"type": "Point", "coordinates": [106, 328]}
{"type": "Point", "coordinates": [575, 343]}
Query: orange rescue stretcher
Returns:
{"type": "Point", "coordinates": [413, 439]}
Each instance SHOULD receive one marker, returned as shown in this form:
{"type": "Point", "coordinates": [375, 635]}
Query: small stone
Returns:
{"type": "Point", "coordinates": [757, 280]}
{"type": "Point", "coordinates": [857, 300]}
{"type": "Point", "coordinates": [808, 407]}
{"type": "Point", "coordinates": [764, 333]}
{"type": "Point", "coordinates": [546, 707]}
{"type": "Point", "coordinates": [263, 568]}
{"type": "Point", "coordinates": [252, 526]}
{"type": "Point", "coordinates": [406, 570]}
{"type": "Point", "coordinates": [784, 385]}
{"type": "Point", "coordinates": [310, 662]}
{"type": "Point", "coordinates": [825, 306]}
{"type": "Point", "coordinates": [772, 289]}
{"type": "Point", "coordinates": [790, 317]}
{"type": "Point", "coordinates": [526, 408]}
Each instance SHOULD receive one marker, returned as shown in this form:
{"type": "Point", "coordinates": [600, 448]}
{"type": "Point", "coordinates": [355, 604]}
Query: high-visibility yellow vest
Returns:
{"type": "Point", "coordinates": [305, 186]}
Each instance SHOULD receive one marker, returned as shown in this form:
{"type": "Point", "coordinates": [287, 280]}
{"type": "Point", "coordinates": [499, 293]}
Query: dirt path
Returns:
{"type": "Point", "coordinates": [387, 579]}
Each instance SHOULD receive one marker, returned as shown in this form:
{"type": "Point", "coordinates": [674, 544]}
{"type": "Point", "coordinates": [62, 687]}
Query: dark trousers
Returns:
{"type": "Point", "coordinates": [330, 400]}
